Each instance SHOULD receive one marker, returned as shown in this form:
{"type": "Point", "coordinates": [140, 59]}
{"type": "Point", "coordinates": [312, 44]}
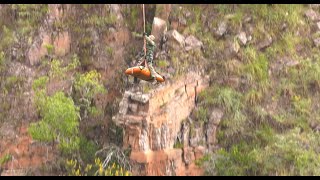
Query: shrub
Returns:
{"type": "Point", "coordinates": [96, 169]}
{"type": "Point", "coordinates": [59, 123]}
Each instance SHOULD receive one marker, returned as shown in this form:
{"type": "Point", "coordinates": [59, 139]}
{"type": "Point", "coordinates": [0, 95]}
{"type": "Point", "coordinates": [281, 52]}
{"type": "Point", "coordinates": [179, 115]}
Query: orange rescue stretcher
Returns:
{"type": "Point", "coordinates": [143, 73]}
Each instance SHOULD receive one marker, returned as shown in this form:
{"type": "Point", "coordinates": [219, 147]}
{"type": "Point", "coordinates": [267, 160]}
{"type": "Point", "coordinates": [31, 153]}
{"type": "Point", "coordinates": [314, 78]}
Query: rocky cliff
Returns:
{"type": "Point", "coordinates": [103, 39]}
{"type": "Point", "coordinates": [260, 68]}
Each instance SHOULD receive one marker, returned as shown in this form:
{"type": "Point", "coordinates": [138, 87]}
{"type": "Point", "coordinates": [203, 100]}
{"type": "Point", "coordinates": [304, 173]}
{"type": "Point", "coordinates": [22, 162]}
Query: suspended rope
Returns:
{"type": "Point", "coordinates": [141, 72]}
{"type": "Point", "coordinates": [144, 38]}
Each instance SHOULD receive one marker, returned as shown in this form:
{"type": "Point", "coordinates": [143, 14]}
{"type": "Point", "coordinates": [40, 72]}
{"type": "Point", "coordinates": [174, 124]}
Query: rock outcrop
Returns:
{"type": "Point", "coordinates": [152, 122]}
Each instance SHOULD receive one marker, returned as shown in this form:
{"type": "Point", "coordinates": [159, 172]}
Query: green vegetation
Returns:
{"type": "Point", "coordinates": [96, 169]}
{"type": "Point", "coordinates": [286, 155]}
{"type": "Point", "coordinates": [270, 114]}
{"type": "Point", "coordinates": [59, 109]}
{"type": "Point", "coordinates": [178, 144]}
{"type": "Point", "coordinates": [13, 83]}
{"type": "Point", "coordinates": [256, 69]}
{"type": "Point", "coordinates": [60, 116]}
{"type": "Point", "coordinates": [58, 71]}
{"type": "Point", "coordinates": [162, 64]}
{"type": "Point", "coordinates": [87, 86]}
{"type": "Point", "coordinates": [50, 48]}
{"type": "Point", "coordinates": [59, 123]}
{"type": "Point", "coordinates": [88, 148]}
{"type": "Point", "coordinates": [4, 159]}
{"type": "Point", "coordinates": [2, 61]}
{"type": "Point", "coordinates": [7, 39]}
{"type": "Point", "coordinates": [202, 114]}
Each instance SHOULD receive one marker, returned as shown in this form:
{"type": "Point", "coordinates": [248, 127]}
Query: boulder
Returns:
{"type": "Point", "coordinates": [187, 14]}
{"type": "Point", "coordinates": [216, 117]}
{"type": "Point", "coordinates": [192, 42]}
{"type": "Point", "coordinates": [213, 123]}
{"type": "Point", "coordinates": [232, 49]}
{"type": "Point", "coordinates": [284, 26]}
{"type": "Point", "coordinates": [312, 15]}
{"type": "Point", "coordinates": [242, 38]}
{"type": "Point", "coordinates": [265, 43]}
{"type": "Point", "coordinates": [222, 29]}
{"type": "Point", "coordinates": [183, 21]}
{"type": "Point", "coordinates": [159, 28]}
{"type": "Point", "coordinates": [175, 40]}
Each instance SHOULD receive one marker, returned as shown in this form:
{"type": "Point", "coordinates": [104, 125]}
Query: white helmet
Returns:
{"type": "Point", "coordinates": [152, 37]}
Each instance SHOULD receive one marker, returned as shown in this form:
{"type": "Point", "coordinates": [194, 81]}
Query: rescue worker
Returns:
{"type": "Point", "coordinates": [150, 47]}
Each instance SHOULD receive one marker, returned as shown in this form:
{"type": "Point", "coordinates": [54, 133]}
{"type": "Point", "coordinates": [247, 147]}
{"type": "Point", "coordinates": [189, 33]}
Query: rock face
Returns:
{"type": "Point", "coordinates": [17, 107]}
{"type": "Point", "coordinates": [151, 128]}
{"type": "Point", "coordinates": [37, 50]}
{"type": "Point", "coordinates": [61, 42]}
{"type": "Point", "coordinates": [25, 153]}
